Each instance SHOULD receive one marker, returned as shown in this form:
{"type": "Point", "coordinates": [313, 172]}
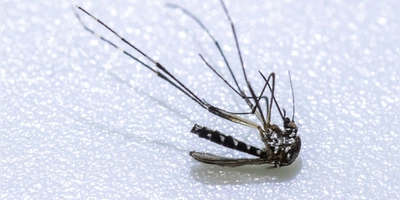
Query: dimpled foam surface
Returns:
{"type": "Point", "coordinates": [81, 120]}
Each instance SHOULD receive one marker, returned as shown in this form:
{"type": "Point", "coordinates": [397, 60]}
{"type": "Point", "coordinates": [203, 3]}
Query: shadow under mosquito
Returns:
{"type": "Point", "coordinates": [137, 137]}
{"type": "Point", "coordinates": [217, 175]}
{"type": "Point", "coordinates": [158, 101]}
{"type": "Point", "coordinates": [128, 136]}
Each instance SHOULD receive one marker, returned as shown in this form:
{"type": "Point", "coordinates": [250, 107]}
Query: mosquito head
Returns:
{"type": "Point", "coordinates": [289, 125]}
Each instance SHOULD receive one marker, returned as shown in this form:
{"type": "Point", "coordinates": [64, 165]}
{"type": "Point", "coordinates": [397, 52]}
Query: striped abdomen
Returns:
{"type": "Point", "coordinates": [226, 140]}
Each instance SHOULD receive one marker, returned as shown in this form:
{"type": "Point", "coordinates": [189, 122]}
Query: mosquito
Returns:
{"type": "Point", "coordinates": [281, 146]}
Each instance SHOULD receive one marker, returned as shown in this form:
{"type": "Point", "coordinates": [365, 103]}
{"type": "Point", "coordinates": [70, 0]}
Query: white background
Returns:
{"type": "Point", "coordinates": [79, 119]}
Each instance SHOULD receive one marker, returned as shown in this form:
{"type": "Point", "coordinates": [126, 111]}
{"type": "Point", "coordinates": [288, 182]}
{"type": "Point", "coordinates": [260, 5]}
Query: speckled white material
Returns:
{"type": "Point", "coordinates": [80, 120]}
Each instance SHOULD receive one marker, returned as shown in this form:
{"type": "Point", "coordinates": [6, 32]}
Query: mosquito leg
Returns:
{"type": "Point", "coordinates": [257, 106]}
{"type": "Point", "coordinates": [179, 85]}
{"type": "Point", "coordinates": [253, 109]}
{"type": "Point", "coordinates": [131, 56]}
{"type": "Point", "coordinates": [188, 13]}
{"type": "Point", "coordinates": [171, 79]}
{"type": "Point", "coordinates": [242, 94]}
{"type": "Point", "coordinates": [257, 109]}
{"type": "Point", "coordinates": [270, 88]}
{"type": "Point", "coordinates": [236, 41]}
{"type": "Point", "coordinates": [271, 76]}
{"type": "Point", "coordinates": [215, 71]}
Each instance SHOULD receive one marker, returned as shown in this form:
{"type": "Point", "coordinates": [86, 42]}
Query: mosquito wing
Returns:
{"type": "Point", "coordinates": [227, 162]}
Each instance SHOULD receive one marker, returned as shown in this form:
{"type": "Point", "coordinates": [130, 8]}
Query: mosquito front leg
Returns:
{"type": "Point", "coordinates": [166, 75]}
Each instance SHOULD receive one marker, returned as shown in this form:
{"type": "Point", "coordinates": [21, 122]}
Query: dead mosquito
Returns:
{"type": "Point", "coordinates": [281, 146]}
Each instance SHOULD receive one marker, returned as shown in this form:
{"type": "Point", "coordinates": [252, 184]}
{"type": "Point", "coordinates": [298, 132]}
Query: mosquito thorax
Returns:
{"type": "Point", "coordinates": [292, 152]}
{"type": "Point", "coordinates": [281, 146]}
{"type": "Point", "coordinates": [290, 147]}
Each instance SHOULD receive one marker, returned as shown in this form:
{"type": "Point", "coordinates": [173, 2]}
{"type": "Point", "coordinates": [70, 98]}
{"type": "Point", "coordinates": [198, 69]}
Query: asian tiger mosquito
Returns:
{"type": "Point", "coordinates": [281, 146]}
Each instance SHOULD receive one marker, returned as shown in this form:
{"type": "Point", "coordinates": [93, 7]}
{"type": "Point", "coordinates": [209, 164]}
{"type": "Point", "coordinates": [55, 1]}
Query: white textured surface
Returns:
{"type": "Point", "coordinates": [71, 126]}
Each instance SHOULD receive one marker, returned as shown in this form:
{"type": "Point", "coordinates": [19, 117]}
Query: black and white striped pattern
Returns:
{"type": "Point", "coordinates": [275, 152]}
{"type": "Point", "coordinates": [226, 140]}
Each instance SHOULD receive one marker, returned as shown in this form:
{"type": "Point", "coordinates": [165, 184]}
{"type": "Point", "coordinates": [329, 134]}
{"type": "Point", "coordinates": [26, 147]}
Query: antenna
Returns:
{"type": "Point", "coordinates": [291, 86]}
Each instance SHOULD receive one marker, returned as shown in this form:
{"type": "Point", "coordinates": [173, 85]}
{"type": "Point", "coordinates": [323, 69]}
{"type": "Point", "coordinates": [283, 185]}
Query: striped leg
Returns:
{"type": "Point", "coordinates": [226, 140]}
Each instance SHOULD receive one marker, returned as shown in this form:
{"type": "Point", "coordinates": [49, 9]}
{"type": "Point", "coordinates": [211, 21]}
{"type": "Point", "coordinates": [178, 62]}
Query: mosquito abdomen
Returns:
{"type": "Point", "coordinates": [226, 140]}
